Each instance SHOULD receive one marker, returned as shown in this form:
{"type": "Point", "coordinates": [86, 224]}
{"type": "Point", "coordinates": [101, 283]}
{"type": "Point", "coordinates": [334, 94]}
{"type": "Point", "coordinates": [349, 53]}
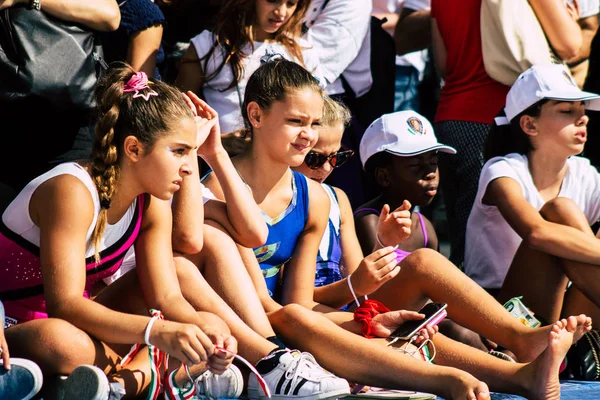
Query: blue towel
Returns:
{"type": "Point", "coordinates": [569, 390]}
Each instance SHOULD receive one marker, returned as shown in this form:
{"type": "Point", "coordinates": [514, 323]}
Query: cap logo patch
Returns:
{"type": "Point", "coordinates": [415, 126]}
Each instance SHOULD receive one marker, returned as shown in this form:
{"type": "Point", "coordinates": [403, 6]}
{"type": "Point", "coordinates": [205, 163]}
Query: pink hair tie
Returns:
{"type": "Point", "coordinates": [138, 82]}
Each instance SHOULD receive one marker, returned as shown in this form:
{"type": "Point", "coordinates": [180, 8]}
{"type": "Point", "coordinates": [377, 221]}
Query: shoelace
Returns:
{"type": "Point", "coordinates": [306, 359]}
{"type": "Point", "coordinates": [160, 380]}
{"type": "Point", "coordinates": [163, 382]}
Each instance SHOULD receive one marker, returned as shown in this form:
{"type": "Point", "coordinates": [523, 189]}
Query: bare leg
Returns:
{"type": "Point", "coordinates": [426, 274]}
{"type": "Point", "coordinates": [576, 302]}
{"type": "Point", "coordinates": [542, 278]}
{"type": "Point", "coordinates": [55, 355]}
{"type": "Point", "coordinates": [369, 361]}
{"type": "Point", "coordinates": [43, 341]}
{"type": "Point", "coordinates": [537, 380]}
{"type": "Point", "coordinates": [461, 334]}
{"type": "Point", "coordinates": [224, 282]}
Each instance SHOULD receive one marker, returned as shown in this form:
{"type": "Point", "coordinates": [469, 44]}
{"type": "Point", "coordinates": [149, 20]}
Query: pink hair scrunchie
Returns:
{"type": "Point", "coordinates": [137, 83]}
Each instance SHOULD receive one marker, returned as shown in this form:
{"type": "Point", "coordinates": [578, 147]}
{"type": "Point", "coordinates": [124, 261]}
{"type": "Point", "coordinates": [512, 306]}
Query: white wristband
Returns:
{"type": "Point", "coordinates": [148, 329]}
{"type": "Point", "coordinates": [352, 291]}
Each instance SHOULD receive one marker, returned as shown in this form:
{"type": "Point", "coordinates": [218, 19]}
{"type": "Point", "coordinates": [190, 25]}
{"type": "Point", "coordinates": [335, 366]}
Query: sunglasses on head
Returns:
{"type": "Point", "coordinates": [316, 160]}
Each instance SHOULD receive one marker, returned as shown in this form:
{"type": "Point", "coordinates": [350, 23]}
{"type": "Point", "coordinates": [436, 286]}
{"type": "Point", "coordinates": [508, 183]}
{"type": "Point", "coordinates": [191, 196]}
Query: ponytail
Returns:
{"type": "Point", "coordinates": [506, 139]}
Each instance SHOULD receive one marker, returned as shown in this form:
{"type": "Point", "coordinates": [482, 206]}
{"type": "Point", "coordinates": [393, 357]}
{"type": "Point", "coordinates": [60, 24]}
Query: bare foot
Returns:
{"type": "Point", "coordinates": [537, 340]}
{"type": "Point", "coordinates": [470, 388]}
{"type": "Point", "coordinates": [584, 325]}
{"type": "Point", "coordinates": [541, 376]}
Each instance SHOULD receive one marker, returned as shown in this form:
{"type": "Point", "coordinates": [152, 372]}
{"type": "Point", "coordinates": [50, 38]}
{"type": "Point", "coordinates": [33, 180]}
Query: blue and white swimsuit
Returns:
{"type": "Point", "coordinates": [284, 231]}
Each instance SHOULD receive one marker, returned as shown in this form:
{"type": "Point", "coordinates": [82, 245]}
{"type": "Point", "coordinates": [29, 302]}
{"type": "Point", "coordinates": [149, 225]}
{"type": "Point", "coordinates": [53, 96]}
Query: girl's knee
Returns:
{"type": "Point", "coordinates": [214, 321]}
{"type": "Point", "coordinates": [563, 211]}
{"type": "Point", "coordinates": [423, 260]}
{"type": "Point", "coordinates": [290, 314]}
{"type": "Point", "coordinates": [55, 344]}
{"type": "Point", "coordinates": [68, 343]}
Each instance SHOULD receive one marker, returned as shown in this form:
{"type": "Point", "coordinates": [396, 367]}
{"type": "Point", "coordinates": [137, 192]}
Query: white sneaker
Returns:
{"type": "Point", "coordinates": [228, 385]}
{"type": "Point", "coordinates": [88, 382]}
{"type": "Point", "coordinates": [22, 382]}
{"type": "Point", "coordinates": [298, 376]}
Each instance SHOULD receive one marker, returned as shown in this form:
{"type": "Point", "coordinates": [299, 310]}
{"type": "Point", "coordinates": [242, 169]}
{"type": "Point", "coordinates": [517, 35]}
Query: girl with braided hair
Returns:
{"type": "Point", "coordinates": [72, 226]}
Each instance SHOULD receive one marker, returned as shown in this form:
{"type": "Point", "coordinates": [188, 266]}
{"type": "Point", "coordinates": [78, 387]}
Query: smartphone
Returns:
{"type": "Point", "coordinates": [434, 313]}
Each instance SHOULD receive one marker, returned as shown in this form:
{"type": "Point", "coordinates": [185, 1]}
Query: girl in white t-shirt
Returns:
{"type": "Point", "coordinates": [529, 230]}
{"type": "Point", "coordinates": [218, 64]}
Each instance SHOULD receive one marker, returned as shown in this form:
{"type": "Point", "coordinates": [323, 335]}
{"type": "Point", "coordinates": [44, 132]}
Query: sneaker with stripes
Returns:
{"type": "Point", "coordinates": [296, 375]}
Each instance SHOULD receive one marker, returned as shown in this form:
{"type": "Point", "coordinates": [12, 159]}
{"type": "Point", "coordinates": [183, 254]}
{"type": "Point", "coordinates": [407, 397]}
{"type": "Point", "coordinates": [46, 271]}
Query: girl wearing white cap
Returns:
{"type": "Point", "coordinates": [283, 106]}
{"type": "Point", "coordinates": [529, 229]}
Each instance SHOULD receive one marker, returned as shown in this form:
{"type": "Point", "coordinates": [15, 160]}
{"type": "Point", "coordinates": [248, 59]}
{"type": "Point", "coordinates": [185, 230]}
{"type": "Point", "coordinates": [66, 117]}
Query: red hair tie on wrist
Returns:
{"type": "Point", "coordinates": [365, 313]}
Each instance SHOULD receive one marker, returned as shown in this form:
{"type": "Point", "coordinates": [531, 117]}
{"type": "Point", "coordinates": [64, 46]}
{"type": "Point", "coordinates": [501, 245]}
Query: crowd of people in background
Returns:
{"type": "Point", "coordinates": [290, 181]}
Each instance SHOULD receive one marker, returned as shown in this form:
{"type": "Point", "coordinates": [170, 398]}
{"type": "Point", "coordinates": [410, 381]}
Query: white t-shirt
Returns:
{"type": "Point", "coordinates": [587, 8]}
{"type": "Point", "coordinates": [416, 59]}
{"type": "Point", "coordinates": [227, 101]}
{"type": "Point", "coordinates": [341, 35]}
{"type": "Point", "coordinates": [490, 242]}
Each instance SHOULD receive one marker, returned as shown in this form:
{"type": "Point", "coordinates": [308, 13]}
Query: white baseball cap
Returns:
{"type": "Point", "coordinates": [403, 133]}
{"type": "Point", "coordinates": [546, 81]}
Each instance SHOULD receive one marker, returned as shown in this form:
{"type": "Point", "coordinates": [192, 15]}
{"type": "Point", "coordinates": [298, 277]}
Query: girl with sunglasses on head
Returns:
{"type": "Point", "coordinates": [72, 226]}
{"type": "Point", "coordinates": [218, 64]}
{"type": "Point", "coordinates": [283, 105]}
{"type": "Point", "coordinates": [529, 230]}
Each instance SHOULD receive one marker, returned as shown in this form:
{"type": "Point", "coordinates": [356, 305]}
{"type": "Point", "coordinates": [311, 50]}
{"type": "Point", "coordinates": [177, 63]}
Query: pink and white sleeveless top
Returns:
{"type": "Point", "coordinates": [21, 287]}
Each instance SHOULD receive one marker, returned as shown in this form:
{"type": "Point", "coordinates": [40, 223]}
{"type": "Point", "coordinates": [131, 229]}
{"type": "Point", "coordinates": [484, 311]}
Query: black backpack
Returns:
{"type": "Point", "coordinates": [379, 99]}
{"type": "Point", "coordinates": [44, 57]}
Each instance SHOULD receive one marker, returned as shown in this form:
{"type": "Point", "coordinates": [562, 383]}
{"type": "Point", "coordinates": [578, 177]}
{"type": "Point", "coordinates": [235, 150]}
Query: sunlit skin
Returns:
{"type": "Point", "coordinates": [560, 130]}
{"type": "Point", "coordinates": [271, 15]}
{"type": "Point", "coordinates": [416, 178]}
{"type": "Point", "coordinates": [291, 124]}
{"type": "Point", "coordinates": [162, 169]}
{"type": "Point", "coordinates": [330, 141]}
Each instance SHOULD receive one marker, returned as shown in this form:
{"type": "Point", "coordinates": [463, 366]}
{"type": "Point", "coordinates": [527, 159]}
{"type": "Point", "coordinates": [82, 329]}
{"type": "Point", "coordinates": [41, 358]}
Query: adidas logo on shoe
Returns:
{"type": "Point", "coordinates": [297, 376]}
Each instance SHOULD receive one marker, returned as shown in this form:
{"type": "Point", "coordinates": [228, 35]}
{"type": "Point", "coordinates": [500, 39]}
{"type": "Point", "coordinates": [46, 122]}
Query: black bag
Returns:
{"type": "Point", "coordinates": [582, 359]}
{"type": "Point", "coordinates": [379, 99]}
{"type": "Point", "coordinates": [49, 58]}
